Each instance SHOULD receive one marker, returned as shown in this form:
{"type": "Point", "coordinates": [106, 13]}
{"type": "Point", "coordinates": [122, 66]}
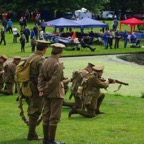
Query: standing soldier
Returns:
{"type": "Point", "coordinates": [35, 102]}
{"type": "Point", "coordinates": [91, 90]}
{"type": "Point", "coordinates": [50, 85]}
{"type": "Point", "coordinates": [9, 73]}
{"type": "Point", "coordinates": [3, 59]}
{"type": "Point", "coordinates": [76, 82]}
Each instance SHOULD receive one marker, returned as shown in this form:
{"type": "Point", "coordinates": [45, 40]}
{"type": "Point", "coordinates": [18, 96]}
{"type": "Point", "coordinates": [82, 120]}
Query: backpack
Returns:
{"type": "Point", "coordinates": [76, 81]}
{"type": "Point", "coordinates": [22, 75]}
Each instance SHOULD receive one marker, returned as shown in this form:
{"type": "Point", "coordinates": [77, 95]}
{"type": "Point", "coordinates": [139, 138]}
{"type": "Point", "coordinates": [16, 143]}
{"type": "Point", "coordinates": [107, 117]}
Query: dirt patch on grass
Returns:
{"type": "Point", "coordinates": [114, 103]}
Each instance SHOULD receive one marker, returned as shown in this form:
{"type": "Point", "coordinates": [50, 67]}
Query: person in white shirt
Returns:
{"type": "Point", "coordinates": [15, 34]}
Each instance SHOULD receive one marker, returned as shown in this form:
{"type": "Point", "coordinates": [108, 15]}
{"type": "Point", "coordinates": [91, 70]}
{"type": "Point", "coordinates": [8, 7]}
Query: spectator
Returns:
{"type": "Point", "coordinates": [115, 24]}
{"type": "Point", "coordinates": [3, 36]}
{"type": "Point", "coordinates": [125, 37]}
{"type": "Point", "coordinates": [134, 39]}
{"type": "Point", "coordinates": [110, 38]}
{"type": "Point", "coordinates": [84, 45]}
{"type": "Point", "coordinates": [27, 34]}
{"type": "Point", "coordinates": [22, 42]}
{"type": "Point", "coordinates": [9, 23]}
{"type": "Point", "coordinates": [117, 38]}
{"type": "Point", "coordinates": [15, 34]}
{"type": "Point", "coordinates": [105, 38]}
{"type": "Point", "coordinates": [41, 34]}
{"type": "Point", "coordinates": [33, 44]}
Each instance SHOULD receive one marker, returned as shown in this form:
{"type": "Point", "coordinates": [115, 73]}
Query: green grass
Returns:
{"type": "Point", "coordinates": [121, 123]}
{"type": "Point", "coordinates": [13, 49]}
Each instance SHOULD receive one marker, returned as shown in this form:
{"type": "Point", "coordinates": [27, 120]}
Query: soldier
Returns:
{"type": "Point", "coordinates": [3, 59]}
{"type": "Point", "coordinates": [35, 102]}
{"type": "Point", "coordinates": [9, 73]}
{"type": "Point", "coordinates": [50, 85]}
{"type": "Point", "coordinates": [91, 90]}
{"type": "Point", "coordinates": [76, 82]}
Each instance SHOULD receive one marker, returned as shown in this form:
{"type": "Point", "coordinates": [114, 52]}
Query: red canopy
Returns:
{"type": "Point", "coordinates": [132, 22]}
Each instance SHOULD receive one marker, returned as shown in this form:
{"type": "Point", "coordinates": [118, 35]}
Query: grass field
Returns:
{"type": "Point", "coordinates": [122, 123]}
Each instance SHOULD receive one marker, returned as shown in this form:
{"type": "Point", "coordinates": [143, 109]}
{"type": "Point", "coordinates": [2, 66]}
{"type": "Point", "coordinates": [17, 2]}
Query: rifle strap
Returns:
{"type": "Point", "coordinates": [116, 89]}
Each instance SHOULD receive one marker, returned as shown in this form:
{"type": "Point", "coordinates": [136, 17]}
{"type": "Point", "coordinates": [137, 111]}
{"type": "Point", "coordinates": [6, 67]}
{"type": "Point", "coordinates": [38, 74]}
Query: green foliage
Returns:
{"type": "Point", "coordinates": [121, 123]}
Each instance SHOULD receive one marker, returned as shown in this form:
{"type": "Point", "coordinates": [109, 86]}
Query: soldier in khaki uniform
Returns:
{"type": "Point", "coordinates": [90, 93]}
{"type": "Point", "coordinates": [9, 73]}
{"type": "Point", "coordinates": [76, 82]}
{"type": "Point", "coordinates": [35, 102]}
{"type": "Point", "coordinates": [3, 59]}
{"type": "Point", "coordinates": [50, 85]}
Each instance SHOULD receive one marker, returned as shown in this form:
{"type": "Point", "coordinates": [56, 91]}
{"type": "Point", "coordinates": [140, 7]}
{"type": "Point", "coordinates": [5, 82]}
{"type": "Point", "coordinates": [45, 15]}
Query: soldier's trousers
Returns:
{"type": "Point", "coordinates": [9, 89]}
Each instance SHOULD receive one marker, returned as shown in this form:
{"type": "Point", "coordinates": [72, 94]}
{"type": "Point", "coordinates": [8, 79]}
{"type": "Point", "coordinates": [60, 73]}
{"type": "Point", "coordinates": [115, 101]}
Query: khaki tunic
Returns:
{"type": "Point", "coordinates": [35, 102]}
{"type": "Point", "coordinates": [51, 78]}
{"type": "Point", "coordinates": [92, 90]}
{"type": "Point", "coordinates": [9, 72]}
{"type": "Point", "coordinates": [50, 82]}
{"type": "Point", "coordinates": [1, 76]}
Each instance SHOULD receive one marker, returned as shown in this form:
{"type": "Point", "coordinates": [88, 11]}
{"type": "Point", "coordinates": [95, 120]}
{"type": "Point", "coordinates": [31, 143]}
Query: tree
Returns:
{"type": "Point", "coordinates": [60, 5]}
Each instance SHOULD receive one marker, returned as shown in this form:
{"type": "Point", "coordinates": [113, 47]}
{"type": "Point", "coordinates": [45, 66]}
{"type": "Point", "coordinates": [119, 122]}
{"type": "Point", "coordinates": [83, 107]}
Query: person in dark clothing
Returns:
{"type": "Point", "coordinates": [3, 36]}
{"type": "Point", "coordinates": [27, 34]}
{"type": "Point", "coordinates": [36, 31]}
{"type": "Point", "coordinates": [84, 45]}
{"type": "Point", "coordinates": [22, 41]}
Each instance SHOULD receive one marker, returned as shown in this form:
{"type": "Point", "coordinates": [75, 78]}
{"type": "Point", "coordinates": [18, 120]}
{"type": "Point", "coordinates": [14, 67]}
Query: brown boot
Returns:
{"type": "Point", "coordinates": [73, 111]}
{"type": "Point", "coordinates": [99, 102]}
{"type": "Point", "coordinates": [32, 133]}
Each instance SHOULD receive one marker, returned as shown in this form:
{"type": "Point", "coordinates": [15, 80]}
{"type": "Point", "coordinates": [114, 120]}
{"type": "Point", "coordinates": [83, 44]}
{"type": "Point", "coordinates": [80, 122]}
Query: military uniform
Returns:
{"type": "Point", "coordinates": [9, 73]}
{"type": "Point", "coordinates": [91, 91]}
{"type": "Point", "coordinates": [50, 82]}
{"type": "Point", "coordinates": [76, 82]}
{"type": "Point", "coordinates": [3, 58]}
{"type": "Point", "coordinates": [35, 103]}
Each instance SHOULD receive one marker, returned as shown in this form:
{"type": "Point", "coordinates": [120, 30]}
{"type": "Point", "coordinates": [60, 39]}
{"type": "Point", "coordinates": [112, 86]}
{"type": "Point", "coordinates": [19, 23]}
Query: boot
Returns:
{"type": "Point", "coordinates": [45, 132]}
{"type": "Point", "coordinates": [99, 101]}
{"type": "Point", "coordinates": [52, 133]}
{"type": "Point", "coordinates": [72, 111]}
{"type": "Point", "coordinates": [32, 133]}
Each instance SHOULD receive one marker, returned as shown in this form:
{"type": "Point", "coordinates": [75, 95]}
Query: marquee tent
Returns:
{"type": "Point", "coordinates": [60, 23]}
{"type": "Point", "coordinates": [132, 22]}
{"type": "Point", "coordinates": [90, 23]}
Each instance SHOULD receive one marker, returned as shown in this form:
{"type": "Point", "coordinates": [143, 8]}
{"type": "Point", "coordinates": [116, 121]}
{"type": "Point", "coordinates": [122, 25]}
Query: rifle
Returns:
{"type": "Point", "coordinates": [113, 80]}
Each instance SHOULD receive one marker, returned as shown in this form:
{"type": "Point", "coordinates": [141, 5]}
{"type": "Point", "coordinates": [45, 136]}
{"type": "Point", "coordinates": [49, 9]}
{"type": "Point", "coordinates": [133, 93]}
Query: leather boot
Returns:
{"type": "Point", "coordinates": [52, 133]}
{"type": "Point", "coordinates": [99, 101]}
{"type": "Point", "coordinates": [32, 133]}
{"type": "Point", "coordinates": [46, 134]}
{"type": "Point", "coordinates": [72, 111]}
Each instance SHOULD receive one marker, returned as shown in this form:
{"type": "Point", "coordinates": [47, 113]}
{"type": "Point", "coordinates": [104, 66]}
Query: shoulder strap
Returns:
{"type": "Point", "coordinates": [30, 60]}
